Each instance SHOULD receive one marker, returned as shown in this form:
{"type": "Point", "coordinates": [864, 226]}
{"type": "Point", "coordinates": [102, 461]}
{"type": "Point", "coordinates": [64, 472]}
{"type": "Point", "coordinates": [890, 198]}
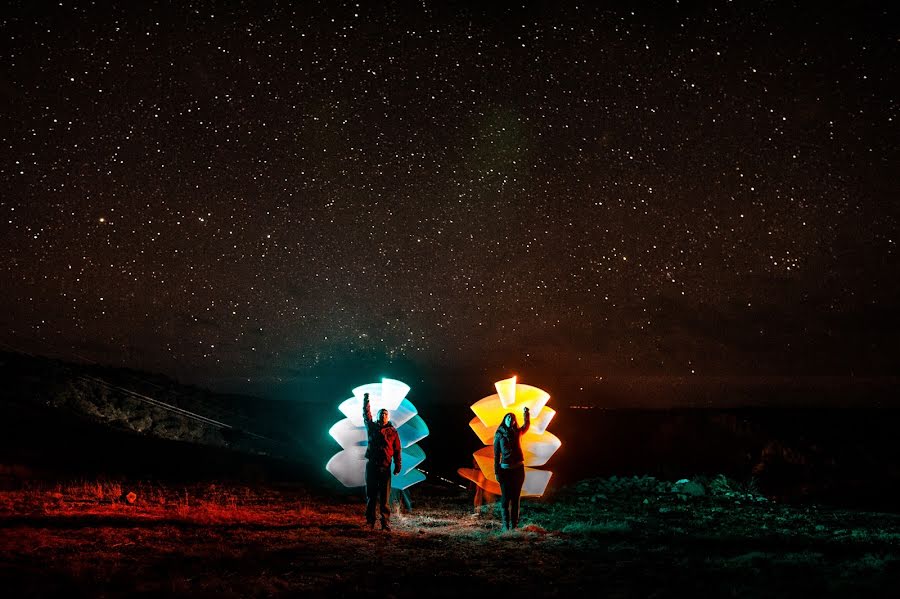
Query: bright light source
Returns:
{"type": "Point", "coordinates": [349, 464]}
{"type": "Point", "coordinates": [538, 445]}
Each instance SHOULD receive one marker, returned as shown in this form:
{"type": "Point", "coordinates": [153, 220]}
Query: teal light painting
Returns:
{"type": "Point", "coordinates": [349, 464]}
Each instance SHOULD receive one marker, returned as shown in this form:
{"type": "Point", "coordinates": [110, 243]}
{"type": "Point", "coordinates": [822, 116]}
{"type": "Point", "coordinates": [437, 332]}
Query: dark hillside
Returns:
{"type": "Point", "coordinates": [59, 419]}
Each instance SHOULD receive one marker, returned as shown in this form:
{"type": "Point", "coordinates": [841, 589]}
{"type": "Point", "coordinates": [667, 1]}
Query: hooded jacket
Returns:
{"type": "Point", "coordinates": [384, 442]}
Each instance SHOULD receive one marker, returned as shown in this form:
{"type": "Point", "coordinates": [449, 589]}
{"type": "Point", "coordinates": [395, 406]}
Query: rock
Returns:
{"type": "Point", "coordinates": [688, 487]}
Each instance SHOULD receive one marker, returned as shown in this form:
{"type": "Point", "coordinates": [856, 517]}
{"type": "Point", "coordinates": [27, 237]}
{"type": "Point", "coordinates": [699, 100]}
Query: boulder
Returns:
{"type": "Point", "coordinates": [688, 487]}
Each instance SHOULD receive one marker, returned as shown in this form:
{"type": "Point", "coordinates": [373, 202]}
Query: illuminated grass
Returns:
{"type": "Point", "coordinates": [239, 541]}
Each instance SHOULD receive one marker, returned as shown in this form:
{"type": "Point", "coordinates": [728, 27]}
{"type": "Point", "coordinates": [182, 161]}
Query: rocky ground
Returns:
{"type": "Point", "coordinates": [613, 537]}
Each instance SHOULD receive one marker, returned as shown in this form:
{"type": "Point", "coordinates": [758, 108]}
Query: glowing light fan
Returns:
{"type": "Point", "coordinates": [538, 445]}
{"type": "Point", "coordinates": [349, 464]}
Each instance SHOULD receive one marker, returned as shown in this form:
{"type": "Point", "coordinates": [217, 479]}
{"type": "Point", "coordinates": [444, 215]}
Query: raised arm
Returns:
{"type": "Point", "coordinates": [526, 422]}
{"type": "Point", "coordinates": [367, 411]}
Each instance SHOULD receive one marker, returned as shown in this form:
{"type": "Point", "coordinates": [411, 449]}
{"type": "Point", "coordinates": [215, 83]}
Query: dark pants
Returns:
{"type": "Point", "coordinates": [511, 481]}
{"type": "Point", "coordinates": [378, 490]}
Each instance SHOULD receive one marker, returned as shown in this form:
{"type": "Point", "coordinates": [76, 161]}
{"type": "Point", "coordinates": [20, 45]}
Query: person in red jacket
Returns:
{"type": "Point", "coordinates": [384, 447]}
{"type": "Point", "coordinates": [509, 465]}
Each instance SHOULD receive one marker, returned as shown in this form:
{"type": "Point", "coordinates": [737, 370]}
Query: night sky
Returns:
{"type": "Point", "coordinates": [258, 198]}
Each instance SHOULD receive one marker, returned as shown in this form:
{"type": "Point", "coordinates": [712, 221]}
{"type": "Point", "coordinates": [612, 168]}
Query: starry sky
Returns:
{"type": "Point", "coordinates": [264, 197]}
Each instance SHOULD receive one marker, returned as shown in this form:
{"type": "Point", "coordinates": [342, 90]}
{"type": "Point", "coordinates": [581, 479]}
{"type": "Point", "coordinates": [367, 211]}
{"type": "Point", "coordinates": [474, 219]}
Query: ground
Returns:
{"type": "Point", "coordinates": [602, 537]}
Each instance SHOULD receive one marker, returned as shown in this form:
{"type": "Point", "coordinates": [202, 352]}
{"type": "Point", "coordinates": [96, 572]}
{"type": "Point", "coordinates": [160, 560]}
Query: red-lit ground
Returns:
{"type": "Point", "coordinates": [82, 540]}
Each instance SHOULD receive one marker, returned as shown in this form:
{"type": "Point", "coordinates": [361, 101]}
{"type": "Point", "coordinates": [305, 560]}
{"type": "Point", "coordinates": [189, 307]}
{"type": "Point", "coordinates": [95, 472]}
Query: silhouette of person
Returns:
{"type": "Point", "coordinates": [483, 499]}
{"type": "Point", "coordinates": [509, 465]}
{"type": "Point", "coordinates": [401, 498]}
{"type": "Point", "coordinates": [384, 447]}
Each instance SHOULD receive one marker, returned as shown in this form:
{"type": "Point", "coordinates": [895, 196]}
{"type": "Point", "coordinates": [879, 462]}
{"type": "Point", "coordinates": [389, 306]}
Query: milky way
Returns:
{"type": "Point", "coordinates": [246, 196]}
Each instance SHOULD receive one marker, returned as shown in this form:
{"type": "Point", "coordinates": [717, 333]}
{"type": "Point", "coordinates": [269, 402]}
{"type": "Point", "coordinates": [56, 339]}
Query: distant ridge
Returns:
{"type": "Point", "coordinates": [148, 404]}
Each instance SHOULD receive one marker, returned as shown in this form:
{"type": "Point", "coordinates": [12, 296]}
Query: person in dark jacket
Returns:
{"type": "Point", "coordinates": [384, 447]}
{"type": "Point", "coordinates": [509, 465]}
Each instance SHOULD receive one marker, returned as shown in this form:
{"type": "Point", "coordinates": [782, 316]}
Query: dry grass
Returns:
{"type": "Point", "coordinates": [83, 538]}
